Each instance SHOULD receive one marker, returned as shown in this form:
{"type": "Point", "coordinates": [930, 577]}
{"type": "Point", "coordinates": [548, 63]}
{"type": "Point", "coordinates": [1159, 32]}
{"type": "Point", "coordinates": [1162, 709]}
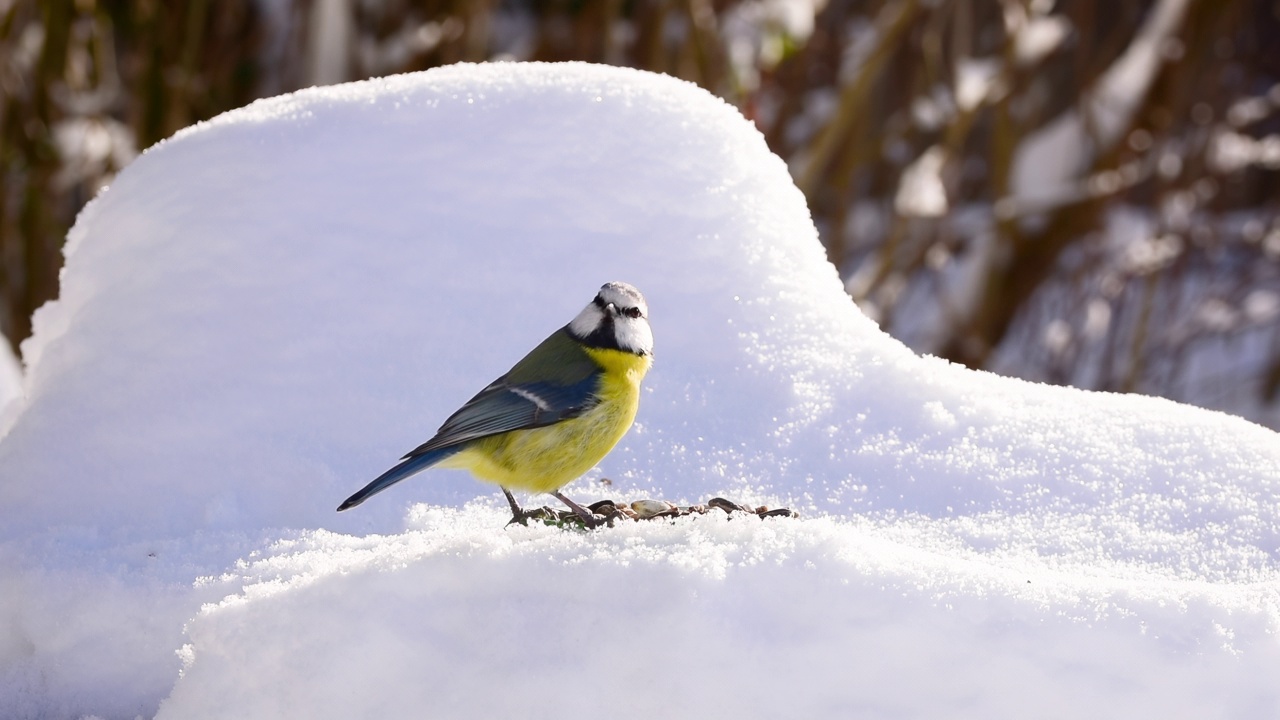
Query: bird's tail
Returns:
{"type": "Point", "coordinates": [409, 466]}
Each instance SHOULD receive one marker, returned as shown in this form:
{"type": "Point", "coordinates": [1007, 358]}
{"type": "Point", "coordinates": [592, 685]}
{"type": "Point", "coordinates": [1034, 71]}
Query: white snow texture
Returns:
{"type": "Point", "coordinates": [265, 311]}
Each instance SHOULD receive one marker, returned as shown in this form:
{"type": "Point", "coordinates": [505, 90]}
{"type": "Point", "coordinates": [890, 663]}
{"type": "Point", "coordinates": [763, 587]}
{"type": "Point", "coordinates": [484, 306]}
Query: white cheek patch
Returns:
{"type": "Point", "coordinates": [634, 334]}
{"type": "Point", "coordinates": [587, 321]}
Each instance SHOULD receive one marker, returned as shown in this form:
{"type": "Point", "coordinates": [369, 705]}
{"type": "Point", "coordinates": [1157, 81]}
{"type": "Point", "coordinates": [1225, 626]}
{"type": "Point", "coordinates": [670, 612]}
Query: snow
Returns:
{"type": "Point", "coordinates": [976, 80]}
{"type": "Point", "coordinates": [755, 34]}
{"type": "Point", "coordinates": [1051, 162]}
{"type": "Point", "coordinates": [331, 28]}
{"type": "Point", "coordinates": [1231, 152]}
{"type": "Point", "coordinates": [265, 311]}
{"type": "Point", "coordinates": [1039, 37]}
{"type": "Point", "coordinates": [10, 377]}
{"type": "Point", "coordinates": [921, 192]}
{"type": "Point", "coordinates": [90, 147]}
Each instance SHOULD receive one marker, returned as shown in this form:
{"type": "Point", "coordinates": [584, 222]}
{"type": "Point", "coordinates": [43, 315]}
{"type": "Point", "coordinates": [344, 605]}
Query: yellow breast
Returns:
{"type": "Point", "coordinates": [547, 458]}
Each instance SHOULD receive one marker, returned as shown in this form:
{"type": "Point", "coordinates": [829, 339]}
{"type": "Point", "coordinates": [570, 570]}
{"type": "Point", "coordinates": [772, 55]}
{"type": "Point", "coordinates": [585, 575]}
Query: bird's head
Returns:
{"type": "Point", "coordinates": [617, 319]}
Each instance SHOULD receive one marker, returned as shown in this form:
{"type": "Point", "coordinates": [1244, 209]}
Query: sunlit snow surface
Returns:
{"type": "Point", "coordinates": [266, 311]}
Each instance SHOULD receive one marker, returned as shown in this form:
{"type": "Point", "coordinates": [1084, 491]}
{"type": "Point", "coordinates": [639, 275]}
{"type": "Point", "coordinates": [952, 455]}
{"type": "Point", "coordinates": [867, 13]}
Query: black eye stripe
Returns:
{"type": "Point", "coordinates": [631, 312]}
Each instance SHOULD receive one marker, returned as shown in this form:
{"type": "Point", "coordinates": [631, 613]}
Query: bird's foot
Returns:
{"type": "Point", "coordinates": [589, 519]}
{"type": "Point", "coordinates": [520, 516]}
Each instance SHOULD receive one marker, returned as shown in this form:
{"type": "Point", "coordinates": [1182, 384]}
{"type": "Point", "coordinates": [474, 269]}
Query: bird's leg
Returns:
{"type": "Point", "coordinates": [518, 514]}
{"type": "Point", "coordinates": [587, 517]}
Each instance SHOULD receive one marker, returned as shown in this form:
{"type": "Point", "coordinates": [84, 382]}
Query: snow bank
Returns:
{"type": "Point", "coordinates": [706, 617]}
{"type": "Point", "coordinates": [267, 310]}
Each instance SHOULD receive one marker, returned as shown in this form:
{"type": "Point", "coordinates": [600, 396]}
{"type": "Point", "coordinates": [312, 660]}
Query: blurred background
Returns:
{"type": "Point", "coordinates": [1082, 192]}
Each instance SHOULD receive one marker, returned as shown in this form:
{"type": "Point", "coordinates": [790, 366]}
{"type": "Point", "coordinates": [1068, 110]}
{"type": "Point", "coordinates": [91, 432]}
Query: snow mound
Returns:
{"type": "Point", "coordinates": [703, 617]}
{"type": "Point", "coordinates": [267, 310]}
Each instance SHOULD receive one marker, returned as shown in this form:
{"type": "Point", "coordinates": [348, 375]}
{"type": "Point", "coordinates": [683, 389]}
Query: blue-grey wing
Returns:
{"type": "Point", "coordinates": [503, 407]}
{"type": "Point", "coordinates": [565, 386]}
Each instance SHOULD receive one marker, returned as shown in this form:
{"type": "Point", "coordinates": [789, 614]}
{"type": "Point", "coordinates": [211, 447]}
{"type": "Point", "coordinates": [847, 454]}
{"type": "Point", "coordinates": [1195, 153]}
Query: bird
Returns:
{"type": "Point", "coordinates": [554, 415]}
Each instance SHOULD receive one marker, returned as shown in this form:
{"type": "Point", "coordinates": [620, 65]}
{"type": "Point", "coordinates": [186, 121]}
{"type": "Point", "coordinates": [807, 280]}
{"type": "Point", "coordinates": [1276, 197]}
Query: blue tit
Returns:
{"type": "Point", "coordinates": [554, 415]}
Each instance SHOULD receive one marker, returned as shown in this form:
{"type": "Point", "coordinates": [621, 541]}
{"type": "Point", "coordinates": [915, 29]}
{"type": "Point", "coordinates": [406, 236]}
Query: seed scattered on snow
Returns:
{"type": "Point", "coordinates": [608, 511]}
{"type": "Point", "coordinates": [646, 509]}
